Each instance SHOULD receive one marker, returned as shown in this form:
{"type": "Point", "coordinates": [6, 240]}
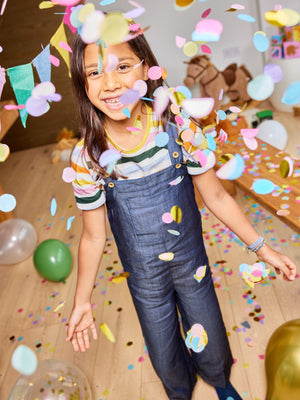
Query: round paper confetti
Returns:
{"type": "Point", "coordinates": [109, 156]}
{"type": "Point", "coordinates": [7, 202]}
{"type": "Point", "coordinates": [114, 28]}
{"type": "Point", "coordinates": [190, 49]}
{"type": "Point", "coordinates": [24, 360]}
{"type": "Point", "coordinates": [4, 152]}
{"type": "Point", "coordinates": [208, 30]}
{"type": "Point", "coordinates": [263, 186]}
{"type": "Point", "coordinates": [198, 107]}
{"type": "Point", "coordinates": [161, 139]}
{"type": "Point", "coordinates": [275, 72]}
{"type": "Point", "coordinates": [154, 73]}
{"type": "Point", "coordinates": [68, 175]}
{"type": "Point", "coordinates": [176, 214]}
{"type": "Point", "coordinates": [261, 87]}
{"type": "Point", "coordinates": [166, 256]}
{"type": "Point", "coordinates": [167, 218]}
{"type": "Point", "coordinates": [261, 41]}
{"type": "Point", "coordinates": [140, 86]}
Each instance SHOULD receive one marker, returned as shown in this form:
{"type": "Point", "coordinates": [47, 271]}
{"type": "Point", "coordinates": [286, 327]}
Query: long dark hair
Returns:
{"type": "Point", "coordinates": [90, 118]}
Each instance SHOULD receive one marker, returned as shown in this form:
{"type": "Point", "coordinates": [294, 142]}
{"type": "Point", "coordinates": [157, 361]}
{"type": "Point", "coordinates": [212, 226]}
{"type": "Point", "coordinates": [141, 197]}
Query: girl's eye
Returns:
{"type": "Point", "coordinates": [123, 68]}
{"type": "Point", "coordinates": [94, 74]}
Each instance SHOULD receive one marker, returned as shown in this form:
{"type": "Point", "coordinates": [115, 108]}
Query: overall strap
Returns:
{"type": "Point", "coordinates": [174, 148]}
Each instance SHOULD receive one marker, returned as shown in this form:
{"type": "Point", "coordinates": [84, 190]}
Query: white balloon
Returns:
{"type": "Point", "coordinates": [17, 240]}
{"type": "Point", "coordinates": [272, 132]}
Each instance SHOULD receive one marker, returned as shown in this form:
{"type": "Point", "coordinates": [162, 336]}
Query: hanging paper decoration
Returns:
{"type": "Point", "coordinates": [22, 82]}
{"type": "Point", "coordinates": [42, 64]}
{"type": "Point", "coordinates": [60, 36]}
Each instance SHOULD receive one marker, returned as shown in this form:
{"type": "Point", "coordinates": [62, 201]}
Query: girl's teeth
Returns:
{"type": "Point", "coordinates": [112, 101]}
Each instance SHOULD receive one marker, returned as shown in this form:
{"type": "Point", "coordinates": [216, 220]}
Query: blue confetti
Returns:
{"type": "Point", "coordinates": [246, 17]}
{"type": "Point", "coordinates": [53, 207]}
{"type": "Point", "coordinates": [69, 222]}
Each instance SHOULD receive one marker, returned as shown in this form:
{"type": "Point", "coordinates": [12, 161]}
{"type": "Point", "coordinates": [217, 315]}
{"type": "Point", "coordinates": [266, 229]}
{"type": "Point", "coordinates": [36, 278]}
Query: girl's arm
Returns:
{"type": "Point", "coordinates": [91, 247]}
{"type": "Point", "coordinates": [225, 208]}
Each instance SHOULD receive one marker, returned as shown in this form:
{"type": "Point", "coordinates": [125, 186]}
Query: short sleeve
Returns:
{"type": "Point", "coordinates": [198, 150]}
{"type": "Point", "coordinates": [88, 189]}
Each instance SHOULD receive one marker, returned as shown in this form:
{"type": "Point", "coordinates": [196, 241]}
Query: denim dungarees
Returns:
{"type": "Point", "coordinates": [159, 288]}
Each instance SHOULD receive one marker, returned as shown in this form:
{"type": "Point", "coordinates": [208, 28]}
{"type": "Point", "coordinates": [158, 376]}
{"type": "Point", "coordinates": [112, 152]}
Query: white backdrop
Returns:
{"type": "Point", "coordinates": [166, 23]}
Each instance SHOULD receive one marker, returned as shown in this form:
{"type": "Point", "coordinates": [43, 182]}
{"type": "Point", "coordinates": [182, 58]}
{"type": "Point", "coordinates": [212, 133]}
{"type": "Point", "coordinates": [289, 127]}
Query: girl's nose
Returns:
{"type": "Point", "coordinates": [111, 81]}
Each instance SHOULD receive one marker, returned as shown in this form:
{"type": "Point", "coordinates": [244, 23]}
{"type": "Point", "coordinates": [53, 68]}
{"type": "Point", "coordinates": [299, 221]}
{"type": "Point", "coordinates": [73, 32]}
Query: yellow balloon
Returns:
{"type": "Point", "coordinates": [282, 362]}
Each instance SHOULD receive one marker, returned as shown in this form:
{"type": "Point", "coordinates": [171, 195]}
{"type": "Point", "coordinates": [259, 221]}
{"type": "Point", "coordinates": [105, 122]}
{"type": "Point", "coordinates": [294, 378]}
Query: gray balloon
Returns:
{"type": "Point", "coordinates": [17, 240]}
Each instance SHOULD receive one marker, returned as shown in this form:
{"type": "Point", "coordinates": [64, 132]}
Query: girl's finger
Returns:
{"type": "Point", "coordinates": [86, 339]}
{"type": "Point", "coordinates": [70, 332]}
{"type": "Point", "coordinates": [80, 341]}
{"type": "Point", "coordinates": [75, 344]}
{"type": "Point", "coordinates": [94, 331]}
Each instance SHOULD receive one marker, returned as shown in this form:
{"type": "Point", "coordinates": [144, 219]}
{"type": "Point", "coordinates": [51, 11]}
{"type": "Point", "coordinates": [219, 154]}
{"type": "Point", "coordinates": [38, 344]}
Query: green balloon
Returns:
{"type": "Point", "coordinates": [53, 260]}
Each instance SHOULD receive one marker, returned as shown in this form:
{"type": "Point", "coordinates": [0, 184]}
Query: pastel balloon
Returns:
{"type": "Point", "coordinates": [263, 186]}
{"type": "Point", "coordinates": [261, 87]}
{"type": "Point", "coordinates": [198, 107]}
{"type": "Point", "coordinates": [24, 360]}
{"type": "Point", "coordinates": [272, 132]}
{"type": "Point", "coordinates": [282, 362]}
{"type": "Point", "coordinates": [17, 240]}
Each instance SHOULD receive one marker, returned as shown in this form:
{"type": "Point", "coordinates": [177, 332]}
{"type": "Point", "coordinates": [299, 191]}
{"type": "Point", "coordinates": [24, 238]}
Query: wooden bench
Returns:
{"type": "Point", "coordinates": [263, 163]}
{"type": "Point", "coordinates": [7, 119]}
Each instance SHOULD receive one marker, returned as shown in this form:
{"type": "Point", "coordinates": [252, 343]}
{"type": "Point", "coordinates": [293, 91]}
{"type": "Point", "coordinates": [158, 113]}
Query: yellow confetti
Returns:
{"type": "Point", "coordinates": [121, 277]}
{"type": "Point", "coordinates": [46, 4]}
{"type": "Point", "coordinates": [166, 256]}
{"type": "Point", "coordinates": [59, 306]}
{"type": "Point", "coordinates": [114, 28]}
{"type": "Point", "coordinates": [176, 214]}
{"type": "Point", "coordinates": [4, 152]}
{"type": "Point", "coordinates": [107, 332]}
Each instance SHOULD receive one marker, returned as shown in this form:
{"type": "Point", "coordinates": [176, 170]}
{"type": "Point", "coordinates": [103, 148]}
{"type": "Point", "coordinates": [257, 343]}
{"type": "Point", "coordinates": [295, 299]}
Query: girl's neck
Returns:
{"type": "Point", "coordinates": [121, 132]}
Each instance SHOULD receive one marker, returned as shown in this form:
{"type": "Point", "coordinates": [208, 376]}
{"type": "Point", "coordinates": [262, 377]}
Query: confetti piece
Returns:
{"type": "Point", "coordinates": [53, 207]}
{"type": "Point", "coordinates": [190, 49]}
{"type": "Point", "coordinates": [129, 97]}
{"type": "Point", "coordinates": [114, 28]}
{"type": "Point", "coordinates": [126, 111]}
{"type": "Point", "coordinates": [167, 218]}
{"type": "Point", "coordinates": [54, 60]}
{"type": "Point", "coordinates": [121, 277]}
{"type": "Point", "coordinates": [246, 17]}
{"type": "Point", "coordinates": [180, 41]}
{"type": "Point", "coordinates": [253, 274]}
{"type": "Point", "coordinates": [69, 222]}
{"type": "Point", "coordinates": [208, 30]}
{"type": "Point", "coordinates": [232, 169]}
{"type": "Point", "coordinates": [161, 139]}
{"type": "Point", "coordinates": [166, 256]}
{"type": "Point", "coordinates": [274, 71]}
{"type": "Point", "coordinates": [176, 181]}
{"type": "Point", "coordinates": [141, 87]}
{"type": "Point", "coordinates": [173, 232]}
{"type": "Point", "coordinates": [261, 41]}
{"type": "Point", "coordinates": [200, 273]}
{"type": "Point", "coordinates": [65, 46]}
{"type": "Point", "coordinates": [7, 202]}
{"type": "Point", "coordinates": [196, 338]}
{"type": "Point", "coordinates": [154, 73]}
{"type": "Point", "coordinates": [261, 87]}
{"type": "Point", "coordinates": [59, 306]}
{"type": "Point", "coordinates": [107, 332]}
{"type": "Point", "coordinates": [109, 156]}
{"type": "Point", "coordinates": [24, 360]}
{"type": "Point", "coordinates": [198, 107]}
{"type": "Point", "coordinates": [176, 214]}
{"type": "Point", "coordinates": [263, 186]}
{"type": "Point", "coordinates": [68, 175]}
{"type": "Point", "coordinates": [45, 4]}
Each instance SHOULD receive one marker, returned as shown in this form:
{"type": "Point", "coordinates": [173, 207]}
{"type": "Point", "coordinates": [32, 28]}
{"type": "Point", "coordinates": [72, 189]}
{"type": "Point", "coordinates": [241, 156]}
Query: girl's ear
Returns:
{"type": "Point", "coordinates": [145, 71]}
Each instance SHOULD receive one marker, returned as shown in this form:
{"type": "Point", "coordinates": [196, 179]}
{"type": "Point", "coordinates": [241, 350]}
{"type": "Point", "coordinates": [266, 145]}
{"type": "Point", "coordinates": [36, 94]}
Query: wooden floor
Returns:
{"type": "Point", "coordinates": [34, 312]}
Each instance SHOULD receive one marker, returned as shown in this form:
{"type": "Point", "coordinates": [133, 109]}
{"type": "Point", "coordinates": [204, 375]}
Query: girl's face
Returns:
{"type": "Point", "coordinates": [104, 88]}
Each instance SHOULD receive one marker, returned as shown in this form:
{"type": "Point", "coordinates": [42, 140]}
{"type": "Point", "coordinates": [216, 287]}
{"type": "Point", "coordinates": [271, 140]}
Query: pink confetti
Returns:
{"type": "Point", "coordinates": [205, 49]}
{"type": "Point", "coordinates": [155, 73]}
{"type": "Point", "coordinates": [54, 60]}
{"type": "Point", "coordinates": [68, 175]}
{"type": "Point", "coordinates": [113, 61]}
{"type": "Point", "coordinates": [180, 41]}
{"type": "Point", "coordinates": [167, 218]}
{"type": "Point", "coordinates": [206, 13]}
{"type": "Point", "coordinates": [14, 107]}
{"type": "Point", "coordinates": [238, 6]}
{"type": "Point", "coordinates": [65, 46]}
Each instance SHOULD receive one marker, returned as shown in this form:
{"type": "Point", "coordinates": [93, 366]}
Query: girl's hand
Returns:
{"type": "Point", "coordinates": [279, 261]}
{"type": "Point", "coordinates": [81, 319]}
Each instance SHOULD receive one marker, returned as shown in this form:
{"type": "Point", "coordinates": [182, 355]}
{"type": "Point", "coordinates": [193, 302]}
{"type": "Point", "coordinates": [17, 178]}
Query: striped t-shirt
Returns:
{"type": "Point", "coordinates": [143, 160]}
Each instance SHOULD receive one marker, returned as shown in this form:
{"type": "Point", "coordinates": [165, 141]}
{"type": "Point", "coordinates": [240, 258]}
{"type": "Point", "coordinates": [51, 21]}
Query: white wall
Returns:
{"type": "Point", "coordinates": [166, 22]}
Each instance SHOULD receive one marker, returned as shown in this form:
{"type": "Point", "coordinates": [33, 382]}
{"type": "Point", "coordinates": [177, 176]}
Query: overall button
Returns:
{"type": "Point", "coordinates": [111, 184]}
{"type": "Point", "coordinates": [178, 165]}
{"type": "Point", "coordinates": [175, 154]}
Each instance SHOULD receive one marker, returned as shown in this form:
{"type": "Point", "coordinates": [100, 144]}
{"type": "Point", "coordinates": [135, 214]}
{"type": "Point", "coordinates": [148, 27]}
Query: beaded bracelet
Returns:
{"type": "Point", "coordinates": [257, 245]}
